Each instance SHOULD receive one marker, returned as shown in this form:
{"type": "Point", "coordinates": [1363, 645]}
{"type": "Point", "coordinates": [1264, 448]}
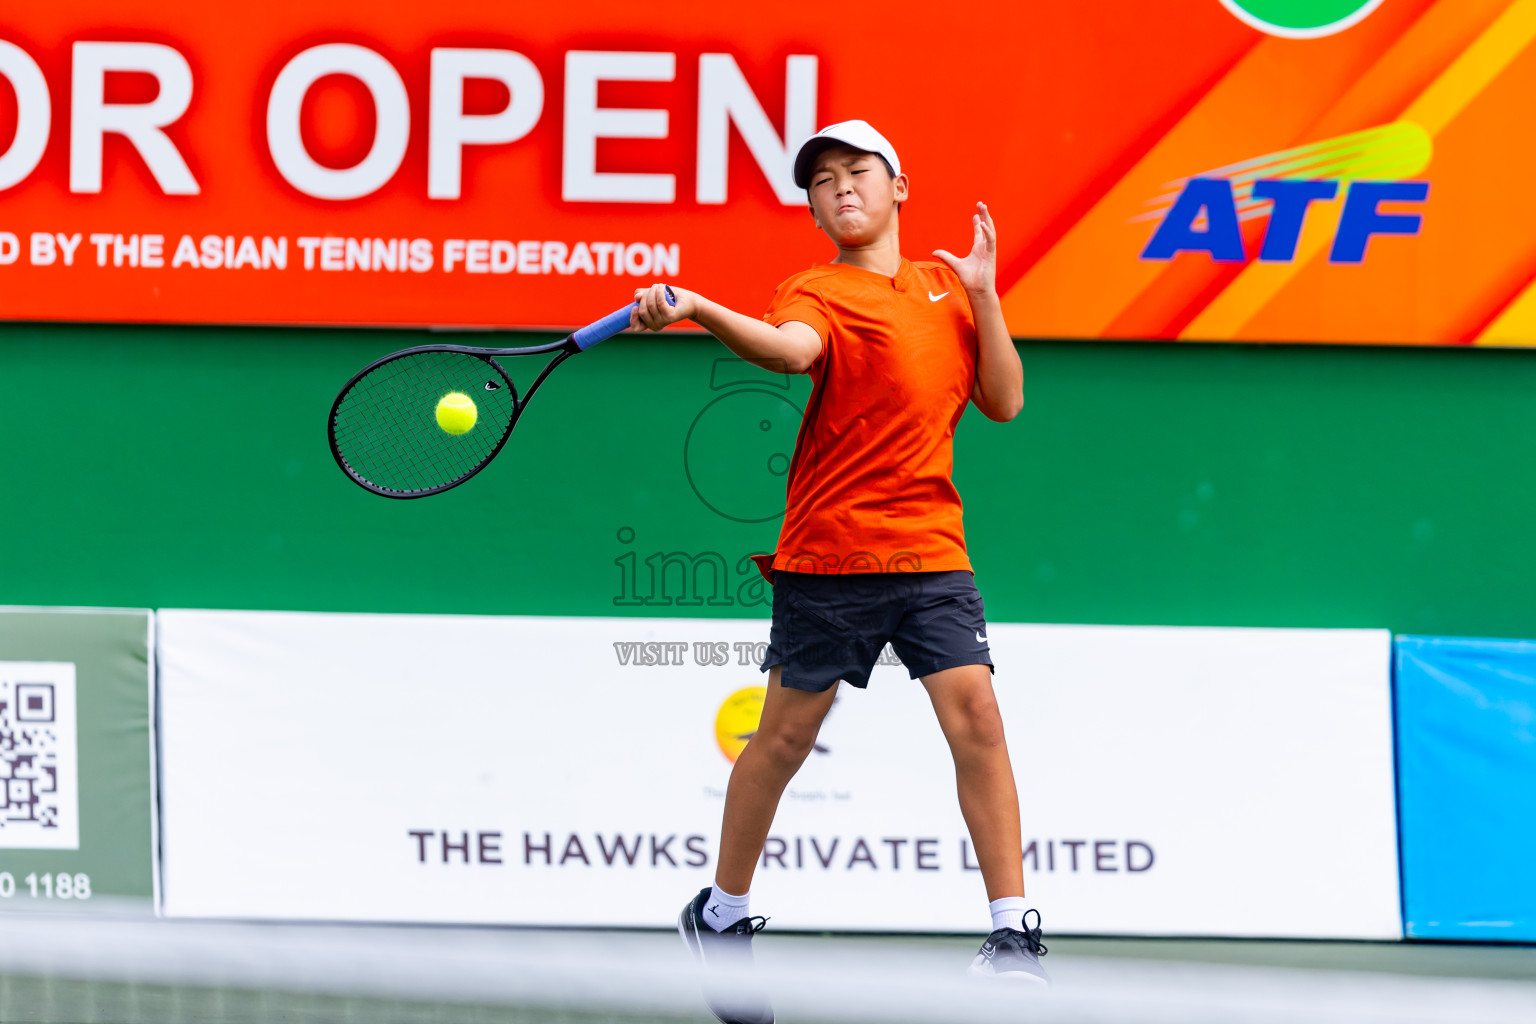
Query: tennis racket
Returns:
{"type": "Point", "coordinates": [385, 430]}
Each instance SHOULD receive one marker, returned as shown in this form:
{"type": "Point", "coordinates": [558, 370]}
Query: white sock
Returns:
{"type": "Point", "coordinates": [723, 910]}
{"type": "Point", "coordinates": [1008, 912]}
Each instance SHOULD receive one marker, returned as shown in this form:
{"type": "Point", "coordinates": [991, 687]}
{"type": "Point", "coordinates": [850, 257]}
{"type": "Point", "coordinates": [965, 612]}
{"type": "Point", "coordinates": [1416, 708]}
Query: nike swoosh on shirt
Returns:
{"type": "Point", "coordinates": [935, 298]}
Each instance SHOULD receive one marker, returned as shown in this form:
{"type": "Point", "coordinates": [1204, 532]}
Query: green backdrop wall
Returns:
{"type": "Point", "coordinates": [1168, 484]}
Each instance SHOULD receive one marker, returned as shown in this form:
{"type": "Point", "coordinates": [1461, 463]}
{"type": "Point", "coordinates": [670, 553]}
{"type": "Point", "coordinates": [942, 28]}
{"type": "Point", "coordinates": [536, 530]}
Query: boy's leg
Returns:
{"type": "Point", "coordinates": [968, 713]}
{"type": "Point", "coordinates": [786, 734]}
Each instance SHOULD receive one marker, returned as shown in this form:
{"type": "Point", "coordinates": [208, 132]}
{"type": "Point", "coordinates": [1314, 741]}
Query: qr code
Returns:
{"type": "Point", "coordinates": [39, 807]}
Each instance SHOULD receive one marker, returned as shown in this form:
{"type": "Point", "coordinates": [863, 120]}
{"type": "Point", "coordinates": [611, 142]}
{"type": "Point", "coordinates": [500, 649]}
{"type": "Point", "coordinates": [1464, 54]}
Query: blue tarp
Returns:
{"type": "Point", "coordinates": [1466, 740]}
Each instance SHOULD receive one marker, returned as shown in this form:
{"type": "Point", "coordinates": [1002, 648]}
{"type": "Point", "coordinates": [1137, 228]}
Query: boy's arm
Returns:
{"type": "Point", "coordinates": [999, 388]}
{"type": "Point", "coordinates": [789, 348]}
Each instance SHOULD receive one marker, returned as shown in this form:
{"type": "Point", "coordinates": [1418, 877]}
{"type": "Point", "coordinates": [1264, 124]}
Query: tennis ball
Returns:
{"type": "Point", "coordinates": [456, 412]}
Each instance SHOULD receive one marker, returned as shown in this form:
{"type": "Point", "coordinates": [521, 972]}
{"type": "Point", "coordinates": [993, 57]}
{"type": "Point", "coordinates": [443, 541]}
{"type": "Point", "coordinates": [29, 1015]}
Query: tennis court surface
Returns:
{"type": "Point", "coordinates": [68, 969]}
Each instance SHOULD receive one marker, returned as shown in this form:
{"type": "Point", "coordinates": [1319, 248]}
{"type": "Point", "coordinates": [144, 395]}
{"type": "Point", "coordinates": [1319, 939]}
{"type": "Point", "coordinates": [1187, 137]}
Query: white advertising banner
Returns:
{"type": "Point", "coordinates": [573, 770]}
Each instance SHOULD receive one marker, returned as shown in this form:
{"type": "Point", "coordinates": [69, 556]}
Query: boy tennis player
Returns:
{"type": "Point", "coordinates": [872, 549]}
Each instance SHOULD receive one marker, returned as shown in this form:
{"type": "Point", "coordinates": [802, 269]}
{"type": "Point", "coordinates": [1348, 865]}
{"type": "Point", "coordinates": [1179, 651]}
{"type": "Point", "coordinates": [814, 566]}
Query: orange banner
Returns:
{"type": "Point", "coordinates": [1319, 170]}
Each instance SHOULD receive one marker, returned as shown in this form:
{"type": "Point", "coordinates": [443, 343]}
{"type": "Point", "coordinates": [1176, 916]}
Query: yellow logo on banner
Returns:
{"type": "Point", "coordinates": [736, 721]}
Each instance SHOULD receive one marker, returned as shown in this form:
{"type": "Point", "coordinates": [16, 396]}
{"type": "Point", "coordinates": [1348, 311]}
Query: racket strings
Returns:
{"type": "Point", "coordinates": [397, 447]}
{"type": "Point", "coordinates": [385, 426]}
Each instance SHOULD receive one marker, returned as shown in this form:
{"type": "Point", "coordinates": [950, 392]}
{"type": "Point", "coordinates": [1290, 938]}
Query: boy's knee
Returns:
{"type": "Point", "coordinates": [982, 721]}
{"type": "Point", "coordinates": [788, 743]}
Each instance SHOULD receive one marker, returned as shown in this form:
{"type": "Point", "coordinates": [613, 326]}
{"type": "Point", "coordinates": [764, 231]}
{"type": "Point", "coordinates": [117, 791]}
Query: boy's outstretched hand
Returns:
{"type": "Point", "coordinates": [655, 313]}
{"type": "Point", "coordinates": [978, 271]}
{"type": "Point", "coordinates": [999, 389]}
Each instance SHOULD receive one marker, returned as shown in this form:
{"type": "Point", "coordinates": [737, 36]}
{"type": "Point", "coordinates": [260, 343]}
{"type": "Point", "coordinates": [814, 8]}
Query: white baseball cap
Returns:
{"type": "Point", "coordinates": [858, 134]}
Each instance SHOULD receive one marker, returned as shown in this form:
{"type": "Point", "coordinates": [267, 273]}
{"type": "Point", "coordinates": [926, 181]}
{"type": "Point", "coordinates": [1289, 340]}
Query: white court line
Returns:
{"type": "Point", "coordinates": [810, 978]}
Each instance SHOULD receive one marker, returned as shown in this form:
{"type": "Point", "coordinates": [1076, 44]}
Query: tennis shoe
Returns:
{"type": "Point", "coordinates": [729, 990]}
{"type": "Point", "coordinates": [1013, 955]}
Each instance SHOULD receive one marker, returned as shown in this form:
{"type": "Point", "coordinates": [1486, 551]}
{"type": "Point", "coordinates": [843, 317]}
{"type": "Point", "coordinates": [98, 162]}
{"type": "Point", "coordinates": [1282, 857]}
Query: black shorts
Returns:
{"type": "Point", "coordinates": [831, 626]}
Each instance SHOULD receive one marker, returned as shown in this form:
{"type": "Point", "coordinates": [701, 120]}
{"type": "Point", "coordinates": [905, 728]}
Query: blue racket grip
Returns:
{"type": "Point", "coordinates": [610, 325]}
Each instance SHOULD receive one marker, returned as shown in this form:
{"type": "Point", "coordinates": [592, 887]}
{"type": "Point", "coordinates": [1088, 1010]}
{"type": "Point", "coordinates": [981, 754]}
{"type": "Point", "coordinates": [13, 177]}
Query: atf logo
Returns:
{"type": "Point", "coordinates": [1335, 187]}
{"type": "Point", "coordinates": [1301, 19]}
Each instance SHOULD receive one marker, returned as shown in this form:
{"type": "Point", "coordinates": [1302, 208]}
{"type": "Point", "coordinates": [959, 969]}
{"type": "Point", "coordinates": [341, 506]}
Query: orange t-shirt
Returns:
{"type": "Point", "coordinates": [869, 485]}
